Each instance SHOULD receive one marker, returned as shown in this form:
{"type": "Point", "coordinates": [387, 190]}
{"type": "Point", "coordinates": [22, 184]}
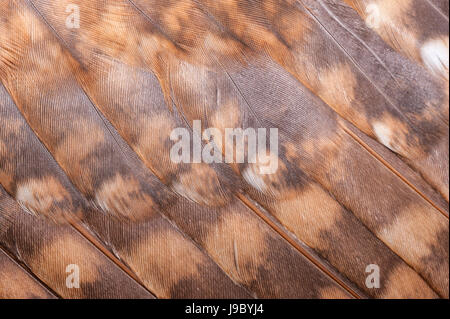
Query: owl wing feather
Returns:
{"type": "Point", "coordinates": [87, 114]}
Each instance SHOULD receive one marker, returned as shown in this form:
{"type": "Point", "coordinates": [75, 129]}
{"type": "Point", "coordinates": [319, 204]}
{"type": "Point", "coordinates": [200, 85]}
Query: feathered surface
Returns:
{"type": "Point", "coordinates": [358, 90]}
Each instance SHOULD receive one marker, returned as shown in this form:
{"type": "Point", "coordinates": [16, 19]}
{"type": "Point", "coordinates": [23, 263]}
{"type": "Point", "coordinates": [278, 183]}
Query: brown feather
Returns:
{"type": "Point", "coordinates": [86, 116]}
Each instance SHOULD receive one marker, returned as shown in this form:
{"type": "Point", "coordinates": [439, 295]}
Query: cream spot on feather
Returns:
{"type": "Point", "coordinates": [404, 283]}
{"type": "Point", "coordinates": [123, 196]}
{"type": "Point", "coordinates": [39, 195]}
{"type": "Point", "coordinates": [416, 230]}
{"type": "Point", "coordinates": [384, 134]}
{"type": "Point", "coordinates": [373, 16]}
{"type": "Point", "coordinates": [26, 199]}
{"type": "Point", "coordinates": [435, 56]}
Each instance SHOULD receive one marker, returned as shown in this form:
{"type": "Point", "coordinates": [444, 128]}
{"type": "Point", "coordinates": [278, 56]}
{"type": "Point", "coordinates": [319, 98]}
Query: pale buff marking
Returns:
{"type": "Point", "coordinates": [309, 213]}
{"type": "Point", "coordinates": [328, 143]}
{"type": "Point", "coordinates": [179, 11]}
{"type": "Point", "coordinates": [392, 133]}
{"type": "Point", "coordinates": [384, 134]}
{"type": "Point", "coordinates": [29, 31]}
{"type": "Point", "coordinates": [38, 196]}
{"type": "Point", "coordinates": [253, 174]}
{"type": "Point", "coordinates": [387, 18]}
{"type": "Point", "coordinates": [200, 184]}
{"type": "Point", "coordinates": [435, 56]}
{"type": "Point", "coordinates": [373, 16]}
{"type": "Point", "coordinates": [221, 46]}
{"type": "Point", "coordinates": [124, 196]}
{"type": "Point", "coordinates": [24, 28]}
{"type": "Point", "coordinates": [322, 157]}
{"type": "Point", "coordinates": [336, 86]}
{"type": "Point", "coordinates": [29, 24]}
{"type": "Point", "coordinates": [191, 96]}
{"type": "Point", "coordinates": [109, 26]}
{"type": "Point", "coordinates": [404, 283]}
{"type": "Point", "coordinates": [51, 261]}
{"type": "Point", "coordinates": [413, 232]}
{"type": "Point", "coordinates": [254, 179]}
{"type": "Point", "coordinates": [71, 153]}
{"type": "Point", "coordinates": [237, 244]}
{"type": "Point", "coordinates": [164, 258]}
{"type": "Point", "coordinates": [228, 115]}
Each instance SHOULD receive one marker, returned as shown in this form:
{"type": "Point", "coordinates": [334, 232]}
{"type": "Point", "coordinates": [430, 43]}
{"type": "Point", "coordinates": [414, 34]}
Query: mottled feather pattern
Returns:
{"type": "Point", "coordinates": [357, 91]}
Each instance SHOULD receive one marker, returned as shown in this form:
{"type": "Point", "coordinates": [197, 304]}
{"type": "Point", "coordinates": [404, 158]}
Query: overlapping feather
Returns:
{"type": "Point", "coordinates": [92, 136]}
